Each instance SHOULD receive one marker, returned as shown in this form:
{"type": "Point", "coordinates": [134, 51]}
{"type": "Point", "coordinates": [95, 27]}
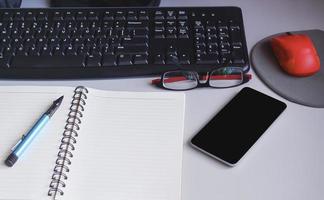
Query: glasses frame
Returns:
{"type": "Point", "coordinates": [205, 83]}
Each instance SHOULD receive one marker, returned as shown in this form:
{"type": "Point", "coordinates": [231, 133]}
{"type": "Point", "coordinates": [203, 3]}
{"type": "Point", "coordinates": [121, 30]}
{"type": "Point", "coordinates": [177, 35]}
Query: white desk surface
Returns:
{"type": "Point", "coordinates": [288, 161]}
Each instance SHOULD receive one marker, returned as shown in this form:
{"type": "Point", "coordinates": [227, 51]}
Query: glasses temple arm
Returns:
{"type": "Point", "coordinates": [246, 77]}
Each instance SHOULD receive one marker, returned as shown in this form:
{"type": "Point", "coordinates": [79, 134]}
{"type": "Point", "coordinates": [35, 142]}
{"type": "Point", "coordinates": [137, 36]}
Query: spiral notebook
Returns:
{"type": "Point", "coordinates": [98, 145]}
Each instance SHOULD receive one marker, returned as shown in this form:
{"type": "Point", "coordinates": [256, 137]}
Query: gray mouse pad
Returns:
{"type": "Point", "coordinates": [308, 91]}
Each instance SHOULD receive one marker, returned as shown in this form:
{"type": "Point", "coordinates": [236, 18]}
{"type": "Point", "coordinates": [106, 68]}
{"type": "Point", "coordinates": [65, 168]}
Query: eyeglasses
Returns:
{"type": "Point", "coordinates": [224, 77]}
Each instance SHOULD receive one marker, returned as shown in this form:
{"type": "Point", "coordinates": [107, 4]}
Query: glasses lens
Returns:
{"type": "Point", "coordinates": [180, 80]}
{"type": "Point", "coordinates": [226, 77]}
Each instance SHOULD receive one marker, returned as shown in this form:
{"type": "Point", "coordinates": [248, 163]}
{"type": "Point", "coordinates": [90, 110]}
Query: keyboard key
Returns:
{"type": "Point", "coordinates": [69, 15]}
{"type": "Point", "coordinates": [93, 16]}
{"type": "Point", "coordinates": [137, 24]}
{"type": "Point", "coordinates": [140, 32]}
{"type": "Point", "coordinates": [30, 16]}
{"type": "Point", "coordinates": [182, 15]}
{"type": "Point", "coordinates": [183, 24]}
{"type": "Point", "coordinates": [172, 50]}
{"type": "Point", "coordinates": [124, 60]}
{"type": "Point", "coordinates": [159, 33]}
{"type": "Point", "coordinates": [142, 49]}
{"type": "Point", "coordinates": [41, 16]}
{"type": "Point", "coordinates": [201, 48]}
{"type": "Point", "coordinates": [109, 60]}
{"type": "Point", "coordinates": [108, 16]}
{"type": "Point", "coordinates": [34, 51]}
{"type": "Point", "coordinates": [58, 51]}
{"type": "Point", "coordinates": [143, 15]}
{"type": "Point", "coordinates": [171, 24]}
{"type": "Point", "coordinates": [171, 33]}
{"type": "Point", "coordinates": [108, 50]}
{"type": "Point", "coordinates": [57, 16]}
{"type": "Point", "coordinates": [47, 62]}
{"type": "Point", "coordinates": [135, 41]}
{"type": "Point", "coordinates": [46, 51]}
{"type": "Point", "coordinates": [159, 15]}
{"type": "Point", "coordinates": [170, 15]}
{"type": "Point", "coordinates": [93, 61]}
{"type": "Point", "coordinates": [70, 51]}
{"type": "Point", "coordinates": [7, 16]}
{"type": "Point", "coordinates": [120, 15]}
{"type": "Point", "coordinates": [198, 24]}
{"type": "Point", "coordinates": [159, 59]}
{"type": "Point", "coordinates": [80, 15]}
{"type": "Point", "coordinates": [140, 59]}
{"type": "Point", "coordinates": [183, 33]}
{"type": "Point", "coordinates": [131, 15]}
{"type": "Point", "coordinates": [211, 31]}
{"type": "Point", "coordinates": [83, 50]}
{"type": "Point", "coordinates": [212, 39]}
{"type": "Point", "coordinates": [120, 25]}
{"type": "Point", "coordinates": [207, 59]}
{"type": "Point", "coordinates": [4, 62]}
{"type": "Point", "coordinates": [236, 37]}
{"type": "Point", "coordinates": [200, 40]}
{"type": "Point", "coordinates": [19, 16]}
{"type": "Point", "coordinates": [170, 59]}
{"type": "Point", "coordinates": [184, 58]}
{"type": "Point", "coordinates": [237, 56]}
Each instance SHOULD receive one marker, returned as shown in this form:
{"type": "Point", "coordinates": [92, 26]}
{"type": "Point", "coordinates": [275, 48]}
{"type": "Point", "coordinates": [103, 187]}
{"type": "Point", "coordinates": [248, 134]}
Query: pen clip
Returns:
{"type": "Point", "coordinates": [19, 141]}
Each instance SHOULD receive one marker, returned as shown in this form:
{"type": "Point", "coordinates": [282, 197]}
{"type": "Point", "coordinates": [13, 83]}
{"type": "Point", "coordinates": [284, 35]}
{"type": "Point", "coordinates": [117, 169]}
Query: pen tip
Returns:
{"type": "Point", "coordinates": [59, 100]}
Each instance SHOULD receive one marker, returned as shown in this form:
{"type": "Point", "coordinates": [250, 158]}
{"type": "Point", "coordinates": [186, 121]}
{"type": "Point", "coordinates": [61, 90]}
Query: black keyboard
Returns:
{"type": "Point", "coordinates": [76, 43]}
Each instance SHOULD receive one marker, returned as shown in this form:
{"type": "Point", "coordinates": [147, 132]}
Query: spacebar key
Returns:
{"type": "Point", "coordinates": [47, 61]}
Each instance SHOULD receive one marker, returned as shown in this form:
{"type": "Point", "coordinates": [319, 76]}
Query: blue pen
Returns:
{"type": "Point", "coordinates": [27, 139]}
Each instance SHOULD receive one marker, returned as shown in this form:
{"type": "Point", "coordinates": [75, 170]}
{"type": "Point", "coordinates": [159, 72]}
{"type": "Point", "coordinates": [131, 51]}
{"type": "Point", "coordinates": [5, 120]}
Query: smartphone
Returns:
{"type": "Point", "coordinates": [234, 129]}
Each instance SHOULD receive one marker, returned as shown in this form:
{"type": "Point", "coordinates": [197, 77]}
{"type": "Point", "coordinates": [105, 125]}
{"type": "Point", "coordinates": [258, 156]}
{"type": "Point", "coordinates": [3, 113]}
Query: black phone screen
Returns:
{"type": "Point", "coordinates": [233, 130]}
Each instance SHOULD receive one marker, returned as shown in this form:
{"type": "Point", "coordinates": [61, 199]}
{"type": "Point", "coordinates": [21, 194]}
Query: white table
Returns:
{"type": "Point", "coordinates": [288, 161]}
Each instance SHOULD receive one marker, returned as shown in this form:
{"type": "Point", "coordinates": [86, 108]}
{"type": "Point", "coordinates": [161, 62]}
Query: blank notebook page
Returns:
{"type": "Point", "coordinates": [129, 147]}
{"type": "Point", "coordinates": [20, 108]}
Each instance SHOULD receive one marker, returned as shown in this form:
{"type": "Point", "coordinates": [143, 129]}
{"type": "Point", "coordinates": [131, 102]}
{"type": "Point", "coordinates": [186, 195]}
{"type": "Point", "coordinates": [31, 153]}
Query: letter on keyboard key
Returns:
{"type": "Point", "coordinates": [47, 61]}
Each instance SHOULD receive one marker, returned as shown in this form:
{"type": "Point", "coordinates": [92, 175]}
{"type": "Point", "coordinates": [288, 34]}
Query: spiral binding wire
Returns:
{"type": "Point", "coordinates": [68, 141]}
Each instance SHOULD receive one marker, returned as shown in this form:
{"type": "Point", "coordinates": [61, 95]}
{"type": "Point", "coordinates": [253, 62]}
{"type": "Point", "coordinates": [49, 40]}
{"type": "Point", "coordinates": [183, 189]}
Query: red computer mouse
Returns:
{"type": "Point", "coordinates": [296, 54]}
